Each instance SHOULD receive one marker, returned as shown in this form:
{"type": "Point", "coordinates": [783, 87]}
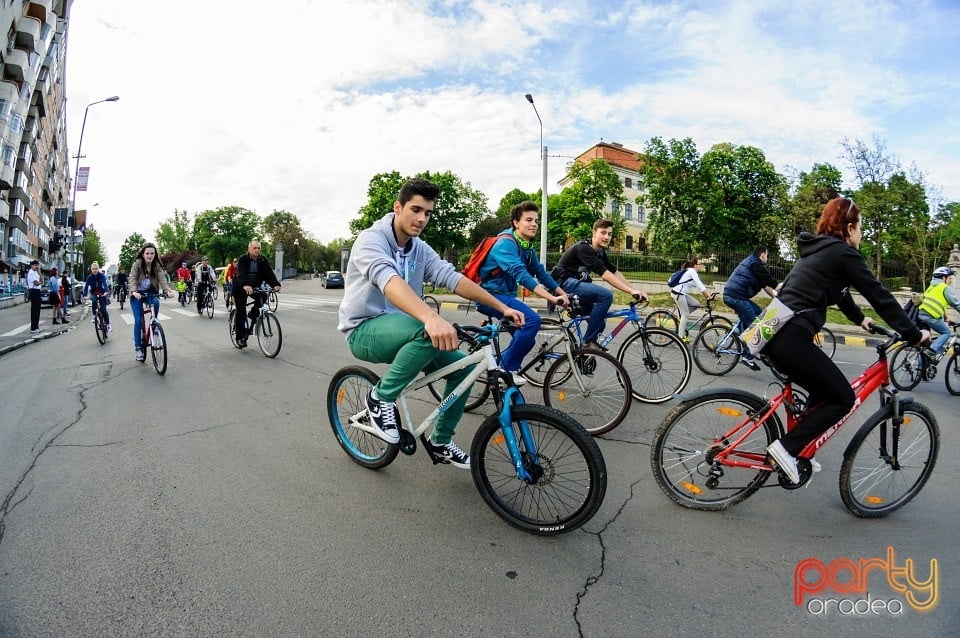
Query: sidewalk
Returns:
{"type": "Point", "coordinates": [15, 324]}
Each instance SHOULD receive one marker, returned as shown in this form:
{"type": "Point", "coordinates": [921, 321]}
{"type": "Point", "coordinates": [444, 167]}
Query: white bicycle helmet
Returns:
{"type": "Point", "coordinates": [943, 272]}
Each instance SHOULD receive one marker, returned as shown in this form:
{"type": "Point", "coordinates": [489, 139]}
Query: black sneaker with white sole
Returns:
{"type": "Point", "coordinates": [383, 417]}
{"type": "Point", "coordinates": [448, 453]}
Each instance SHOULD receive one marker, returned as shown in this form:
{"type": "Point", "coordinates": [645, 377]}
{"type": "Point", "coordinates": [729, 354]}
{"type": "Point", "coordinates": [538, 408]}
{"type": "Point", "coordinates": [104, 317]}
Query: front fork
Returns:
{"type": "Point", "coordinates": [512, 397]}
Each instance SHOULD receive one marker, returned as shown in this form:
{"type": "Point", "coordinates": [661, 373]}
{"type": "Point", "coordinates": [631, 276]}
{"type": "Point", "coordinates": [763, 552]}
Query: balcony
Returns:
{"type": "Point", "coordinates": [39, 9]}
{"type": "Point", "coordinates": [17, 61]}
{"type": "Point", "coordinates": [28, 33]}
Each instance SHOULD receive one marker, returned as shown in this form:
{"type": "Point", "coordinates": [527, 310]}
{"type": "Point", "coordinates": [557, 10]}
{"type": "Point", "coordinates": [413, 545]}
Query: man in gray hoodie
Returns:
{"type": "Point", "coordinates": [386, 320]}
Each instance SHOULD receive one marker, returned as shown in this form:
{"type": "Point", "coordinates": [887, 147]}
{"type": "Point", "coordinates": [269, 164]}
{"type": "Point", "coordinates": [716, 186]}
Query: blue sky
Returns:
{"type": "Point", "coordinates": [295, 104]}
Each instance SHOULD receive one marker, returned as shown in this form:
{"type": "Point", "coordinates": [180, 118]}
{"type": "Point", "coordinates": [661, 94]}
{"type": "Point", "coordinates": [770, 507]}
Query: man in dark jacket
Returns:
{"type": "Point", "coordinates": [252, 270]}
{"type": "Point", "coordinates": [747, 279]}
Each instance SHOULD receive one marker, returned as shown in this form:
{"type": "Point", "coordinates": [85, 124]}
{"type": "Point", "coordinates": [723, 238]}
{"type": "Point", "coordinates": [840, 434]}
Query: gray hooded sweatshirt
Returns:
{"type": "Point", "coordinates": [374, 259]}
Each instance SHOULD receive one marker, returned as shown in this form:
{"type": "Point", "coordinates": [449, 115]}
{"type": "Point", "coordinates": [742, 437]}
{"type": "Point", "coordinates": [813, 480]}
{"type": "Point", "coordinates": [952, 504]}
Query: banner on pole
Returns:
{"type": "Point", "coordinates": [83, 174]}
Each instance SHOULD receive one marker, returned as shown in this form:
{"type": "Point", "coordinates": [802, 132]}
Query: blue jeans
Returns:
{"type": "Point", "coordinates": [594, 299]}
{"type": "Point", "coordinates": [940, 327]}
{"type": "Point", "coordinates": [136, 306]}
{"type": "Point", "coordinates": [746, 310]}
{"type": "Point", "coordinates": [523, 339]}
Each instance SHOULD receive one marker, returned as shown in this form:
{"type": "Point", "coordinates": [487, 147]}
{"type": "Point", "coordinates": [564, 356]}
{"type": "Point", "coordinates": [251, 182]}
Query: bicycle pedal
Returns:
{"type": "Point", "coordinates": [408, 444]}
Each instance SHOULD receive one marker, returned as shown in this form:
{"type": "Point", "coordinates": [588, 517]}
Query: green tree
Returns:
{"type": "Point", "coordinates": [174, 234]}
{"type": "Point", "coordinates": [223, 233]}
{"type": "Point", "coordinates": [812, 191]}
{"type": "Point", "coordinates": [675, 191]}
{"type": "Point", "coordinates": [283, 226]}
{"type": "Point", "coordinates": [459, 207]}
{"type": "Point", "coordinates": [493, 224]}
{"type": "Point", "coordinates": [128, 251]}
{"type": "Point", "coordinates": [92, 249]}
{"type": "Point", "coordinates": [745, 198]}
{"type": "Point", "coordinates": [585, 200]}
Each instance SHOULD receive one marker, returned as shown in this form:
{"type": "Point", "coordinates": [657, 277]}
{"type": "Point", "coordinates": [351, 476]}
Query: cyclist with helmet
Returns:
{"type": "Point", "coordinates": [183, 281]}
{"type": "Point", "coordinates": [938, 296]}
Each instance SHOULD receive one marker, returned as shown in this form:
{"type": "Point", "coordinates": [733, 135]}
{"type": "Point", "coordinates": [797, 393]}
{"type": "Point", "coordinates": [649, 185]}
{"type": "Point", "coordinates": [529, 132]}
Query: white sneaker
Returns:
{"type": "Point", "coordinates": [109, 328]}
{"type": "Point", "coordinates": [518, 379]}
{"type": "Point", "coordinates": [784, 461]}
{"type": "Point", "coordinates": [815, 466]}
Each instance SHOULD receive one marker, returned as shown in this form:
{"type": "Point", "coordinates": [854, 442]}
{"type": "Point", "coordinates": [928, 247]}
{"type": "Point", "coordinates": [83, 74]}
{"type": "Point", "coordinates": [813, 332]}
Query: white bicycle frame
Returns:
{"type": "Point", "coordinates": [482, 361]}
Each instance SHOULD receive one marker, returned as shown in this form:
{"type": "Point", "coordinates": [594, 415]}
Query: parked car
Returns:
{"type": "Point", "coordinates": [333, 279]}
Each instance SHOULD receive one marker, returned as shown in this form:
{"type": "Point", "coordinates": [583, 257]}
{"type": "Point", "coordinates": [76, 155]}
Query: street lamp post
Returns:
{"type": "Point", "coordinates": [296, 257]}
{"type": "Point", "coordinates": [543, 190]}
{"type": "Point", "coordinates": [76, 174]}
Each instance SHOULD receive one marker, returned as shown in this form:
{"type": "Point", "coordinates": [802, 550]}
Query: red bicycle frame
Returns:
{"type": "Point", "coordinates": [870, 380]}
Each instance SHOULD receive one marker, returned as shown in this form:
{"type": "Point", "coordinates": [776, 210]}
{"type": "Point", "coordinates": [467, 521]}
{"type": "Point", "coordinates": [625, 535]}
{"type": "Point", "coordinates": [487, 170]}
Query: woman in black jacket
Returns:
{"type": "Point", "coordinates": [830, 264]}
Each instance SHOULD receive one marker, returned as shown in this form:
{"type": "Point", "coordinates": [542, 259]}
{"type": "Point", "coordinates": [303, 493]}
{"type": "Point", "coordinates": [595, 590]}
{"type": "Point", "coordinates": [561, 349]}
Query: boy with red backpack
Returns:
{"type": "Point", "coordinates": [511, 260]}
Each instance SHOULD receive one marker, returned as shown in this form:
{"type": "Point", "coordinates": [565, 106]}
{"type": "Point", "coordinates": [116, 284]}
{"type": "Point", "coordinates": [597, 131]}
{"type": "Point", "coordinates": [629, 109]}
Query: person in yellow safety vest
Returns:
{"type": "Point", "coordinates": [938, 296]}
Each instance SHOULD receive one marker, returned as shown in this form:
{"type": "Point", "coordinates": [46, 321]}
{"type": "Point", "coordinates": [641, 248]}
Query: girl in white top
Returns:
{"type": "Point", "coordinates": [686, 303]}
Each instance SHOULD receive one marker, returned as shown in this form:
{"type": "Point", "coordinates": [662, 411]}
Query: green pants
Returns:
{"type": "Point", "coordinates": [400, 340]}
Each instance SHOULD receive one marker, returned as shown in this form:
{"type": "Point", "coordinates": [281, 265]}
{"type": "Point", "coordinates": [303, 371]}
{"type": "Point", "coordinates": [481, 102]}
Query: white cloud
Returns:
{"type": "Point", "coordinates": [295, 105]}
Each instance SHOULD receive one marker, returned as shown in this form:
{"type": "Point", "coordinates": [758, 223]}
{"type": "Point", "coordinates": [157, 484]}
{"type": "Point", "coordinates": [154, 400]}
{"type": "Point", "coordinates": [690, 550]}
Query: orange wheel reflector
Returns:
{"type": "Point", "coordinates": [340, 393]}
{"type": "Point", "coordinates": [562, 396]}
{"type": "Point", "coordinates": [906, 420]}
{"type": "Point", "coordinates": [690, 487]}
{"type": "Point", "coordinates": [499, 439]}
{"type": "Point", "coordinates": [730, 412]}
{"type": "Point", "coordinates": [875, 500]}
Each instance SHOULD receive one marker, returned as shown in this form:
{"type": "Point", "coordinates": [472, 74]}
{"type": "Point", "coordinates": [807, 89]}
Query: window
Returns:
{"type": "Point", "coordinates": [628, 182]}
{"type": "Point", "coordinates": [641, 215]}
{"type": "Point", "coordinates": [628, 211]}
{"type": "Point", "coordinates": [614, 207]}
{"type": "Point", "coordinates": [629, 242]}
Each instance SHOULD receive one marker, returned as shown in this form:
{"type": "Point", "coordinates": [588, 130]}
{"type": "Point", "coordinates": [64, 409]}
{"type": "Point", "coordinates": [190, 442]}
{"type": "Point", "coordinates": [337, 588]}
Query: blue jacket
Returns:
{"type": "Point", "coordinates": [748, 278]}
{"type": "Point", "coordinates": [96, 284]}
{"type": "Point", "coordinates": [516, 266]}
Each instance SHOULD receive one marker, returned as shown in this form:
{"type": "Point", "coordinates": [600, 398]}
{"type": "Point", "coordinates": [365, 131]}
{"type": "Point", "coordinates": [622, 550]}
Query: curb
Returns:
{"type": "Point", "coordinates": [44, 335]}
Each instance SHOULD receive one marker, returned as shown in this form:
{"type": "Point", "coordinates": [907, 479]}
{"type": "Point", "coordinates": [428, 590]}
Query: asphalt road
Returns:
{"type": "Point", "coordinates": [215, 501]}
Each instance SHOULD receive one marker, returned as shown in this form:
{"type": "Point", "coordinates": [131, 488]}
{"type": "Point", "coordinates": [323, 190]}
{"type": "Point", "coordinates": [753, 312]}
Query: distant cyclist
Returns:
{"type": "Point", "coordinates": [184, 278]}
{"type": "Point", "coordinates": [146, 278]}
{"type": "Point", "coordinates": [686, 302]}
{"type": "Point", "coordinates": [206, 280]}
{"type": "Point", "coordinates": [937, 298]}
{"type": "Point", "coordinates": [120, 286]}
{"type": "Point", "coordinates": [97, 287]}
{"type": "Point", "coordinates": [252, 270]}
{"type": "Point", "coordinates": [512, 261]}
{"type": "Point", "coordinates": [228, 276]}
{"type": "Point", "coordinates": [747, 279]}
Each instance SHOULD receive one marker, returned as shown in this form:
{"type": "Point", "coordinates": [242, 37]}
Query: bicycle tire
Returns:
{"type": "Point", "coordinates": [122, 299]}
{"type": "Point", "coordinates": [215, 292]}
{"type": "Point", "coordinates": [869, 487]}
{"type": "Point", "coordinates": [432, 303]}
{"type": "Point", "coordinates": [535, 365]}
{"type": "Point", "coordinates": [100, 328]}
{"type": "Point", "coordinates": [688, 437]}
{"type": "Point", "coordinates": [605, 398]}
{"type": "Point", "coordinates": [951, 374]}
{"type": "Point", "coordinates": [230, 326]}
{"type": "Point", "coordinates": [209, 306]}
{"type": "Point", "coordinates": [716, 351]}
{"type": "Point", "coordinates": [347, 396]}
{"type": "Point", "coordinates": [269, 334]}
{"type": "Point", "coordinates": [273, 300]}
{"type": "Point", "coordinates": [570, 473]}
{"type": "Point", "coordinates": [906, 367]}
{"type": "Point", "coordinates": [826, 341]}
{"type": "Point", "coordinates": [158, 348]}
{"type": "Point", "coordinates": [658, 363]}
{"type": "Point", "coordinates": [662, 319]}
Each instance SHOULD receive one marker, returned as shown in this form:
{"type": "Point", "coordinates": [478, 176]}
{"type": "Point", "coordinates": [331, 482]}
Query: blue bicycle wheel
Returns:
{"type": "Point", "coordinates": [346, 401]}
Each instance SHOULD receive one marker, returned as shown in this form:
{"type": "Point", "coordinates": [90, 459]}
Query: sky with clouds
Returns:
{"type": "Point", "coordinates": [295, 104]}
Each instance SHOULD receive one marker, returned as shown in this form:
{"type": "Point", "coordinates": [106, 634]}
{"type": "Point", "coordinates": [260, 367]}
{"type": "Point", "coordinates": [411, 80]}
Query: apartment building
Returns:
{"type": "Point", "coordinates": [626, 164]}
{"type": "Point", "coordinates": [34, 165]}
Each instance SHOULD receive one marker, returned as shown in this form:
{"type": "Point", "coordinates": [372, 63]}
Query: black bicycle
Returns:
{"type": "Point", "coordinates": [266, 325]}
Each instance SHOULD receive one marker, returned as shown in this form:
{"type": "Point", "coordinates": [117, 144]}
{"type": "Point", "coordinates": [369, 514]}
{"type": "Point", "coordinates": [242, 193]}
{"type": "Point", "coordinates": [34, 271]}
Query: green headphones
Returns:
{"type": "Point", "coordinates": [524, 243]}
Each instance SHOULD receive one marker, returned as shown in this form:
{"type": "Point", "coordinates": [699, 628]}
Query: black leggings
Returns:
{"type": "Point", "coordinates": [830, 394]}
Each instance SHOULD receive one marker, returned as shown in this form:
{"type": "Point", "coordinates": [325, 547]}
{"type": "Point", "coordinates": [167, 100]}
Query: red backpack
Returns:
{"type": "Point", "coordinates": [472, 270]}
